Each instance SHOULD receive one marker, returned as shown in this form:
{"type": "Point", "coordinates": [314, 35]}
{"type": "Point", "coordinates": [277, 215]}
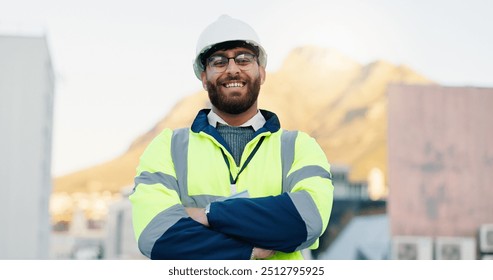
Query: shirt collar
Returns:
{"type": "Point", "coordinates": [256, 122]}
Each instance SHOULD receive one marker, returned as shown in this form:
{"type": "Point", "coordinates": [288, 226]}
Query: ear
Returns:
{"type": "Point", "coordinates": [262, 74]}
{"type": "Point", "coordinates": [203, 77]}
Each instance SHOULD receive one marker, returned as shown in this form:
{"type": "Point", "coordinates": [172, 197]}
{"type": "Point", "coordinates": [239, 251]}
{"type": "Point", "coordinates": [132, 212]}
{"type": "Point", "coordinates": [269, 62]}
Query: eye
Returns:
{"type": "Point", "coordinates": [244, 59]}
{"type": "Point", "coordinates": [218, 61]}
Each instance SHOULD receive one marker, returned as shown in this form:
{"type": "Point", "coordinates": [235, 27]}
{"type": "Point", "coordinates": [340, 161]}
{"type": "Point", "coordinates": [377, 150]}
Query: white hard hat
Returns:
{"type": "Point", "coordinates": [225, 29]}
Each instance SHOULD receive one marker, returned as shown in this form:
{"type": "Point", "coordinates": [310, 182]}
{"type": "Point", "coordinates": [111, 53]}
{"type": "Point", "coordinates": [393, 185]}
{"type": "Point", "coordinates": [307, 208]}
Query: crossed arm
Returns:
{"type": "Point", "coordinates": [230, 231]}
{"type": "Point", "coordinates": [198, 214]}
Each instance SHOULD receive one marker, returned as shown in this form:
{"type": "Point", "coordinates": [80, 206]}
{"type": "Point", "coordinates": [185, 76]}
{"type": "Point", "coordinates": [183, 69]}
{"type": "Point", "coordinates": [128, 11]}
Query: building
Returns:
{"type": "Point", "coordinates": [351, 199]}
{"type": "Point", "coordinates": [26, 122]}
{"type": "Point", "coordinates": [440, 169]}
{"type": "Point", "coordinates": [119, 241]}
{"type": "Point", "coordinates": [345, 189]}
{"type": "Point", "coordinates": [364, 238]}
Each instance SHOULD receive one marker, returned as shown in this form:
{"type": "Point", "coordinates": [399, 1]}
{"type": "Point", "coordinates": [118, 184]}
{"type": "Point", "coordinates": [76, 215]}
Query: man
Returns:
{"type": "Point", "coordinates": [234, 185]}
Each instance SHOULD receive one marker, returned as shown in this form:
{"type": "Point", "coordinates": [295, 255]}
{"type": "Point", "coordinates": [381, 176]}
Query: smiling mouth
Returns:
{"type": "Point", "coordinates": [234, 85]}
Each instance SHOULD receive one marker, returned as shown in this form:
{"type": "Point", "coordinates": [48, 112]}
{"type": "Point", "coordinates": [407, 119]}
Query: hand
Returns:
{"type": "Point", "coordinates": [198, 214]}
{"type": "Point", "coordinates": [259, 253]}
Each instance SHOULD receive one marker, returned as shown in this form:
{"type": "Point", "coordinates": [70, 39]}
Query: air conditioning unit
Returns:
{"type": "Point", "coordinates": [412, 248]}
{"type": "Point", "coordinates": [455, 248]}
{"type": "Point", "coordinates": [486, 238]}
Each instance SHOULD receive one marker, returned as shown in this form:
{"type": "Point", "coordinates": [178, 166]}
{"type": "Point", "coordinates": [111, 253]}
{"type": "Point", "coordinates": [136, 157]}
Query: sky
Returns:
{"type": "Point", "coordinates": [120, 66]}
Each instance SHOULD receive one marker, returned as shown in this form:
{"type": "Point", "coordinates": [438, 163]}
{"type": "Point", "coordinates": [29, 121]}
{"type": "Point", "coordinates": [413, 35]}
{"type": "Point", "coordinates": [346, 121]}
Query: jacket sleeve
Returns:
{"type": "Point", "coordinates": [162, 228]}
{"type": "Point", "coordinates": [288, 222]}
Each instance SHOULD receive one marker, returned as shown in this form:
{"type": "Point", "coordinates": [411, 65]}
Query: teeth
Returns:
{"type": "Point", "coordinates": [234, 85]}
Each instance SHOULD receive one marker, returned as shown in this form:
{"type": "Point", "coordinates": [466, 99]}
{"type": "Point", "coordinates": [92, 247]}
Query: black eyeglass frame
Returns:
{"type": "Point", "coordinates": [237, 59]}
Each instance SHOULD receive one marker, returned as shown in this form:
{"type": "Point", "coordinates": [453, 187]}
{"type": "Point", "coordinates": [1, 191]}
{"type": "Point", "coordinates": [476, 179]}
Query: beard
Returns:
{"type": "Point", "coordinates": [232, 104]}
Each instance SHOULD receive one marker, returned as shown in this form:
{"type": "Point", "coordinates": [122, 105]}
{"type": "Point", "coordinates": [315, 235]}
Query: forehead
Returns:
{"type": "Point", "coordinates": [232, 52]}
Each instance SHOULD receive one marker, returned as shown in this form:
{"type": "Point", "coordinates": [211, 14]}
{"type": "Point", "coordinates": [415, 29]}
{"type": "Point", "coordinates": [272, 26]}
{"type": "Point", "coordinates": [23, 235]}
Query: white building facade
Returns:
{"type": "Point", "coordinates": [26, 123]}
{"type": "Point", "coordinates": [119, 241]}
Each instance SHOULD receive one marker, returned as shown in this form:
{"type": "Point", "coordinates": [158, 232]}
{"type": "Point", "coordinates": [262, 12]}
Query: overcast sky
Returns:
{"type": "Point", "coordinates": [121, 65]}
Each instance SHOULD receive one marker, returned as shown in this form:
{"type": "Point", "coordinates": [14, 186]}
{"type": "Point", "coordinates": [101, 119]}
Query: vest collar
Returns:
{"type": "Point", "coordinates": [201, 123]}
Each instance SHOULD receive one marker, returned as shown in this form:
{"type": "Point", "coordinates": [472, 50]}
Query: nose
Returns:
{"type": "Point", "coordinates": [232, 67]}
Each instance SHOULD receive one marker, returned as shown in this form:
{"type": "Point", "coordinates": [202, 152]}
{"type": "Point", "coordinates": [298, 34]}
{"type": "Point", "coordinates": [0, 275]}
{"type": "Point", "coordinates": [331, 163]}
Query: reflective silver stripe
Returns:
{"type": "Point", "coordinates": [158, 226]}
{"type": "Point", "coordinates": [202, 201]}
{"type": "Point", "coordinates": [149, 178]}
{"type": "Point", "coordinates": [288, 141]}
{"type": "Point", "coordinates": [179, 154]}
{"type": "Point", "coordinates": [303, 173]}
{"type": "Point", "coordinates": [309, 213]}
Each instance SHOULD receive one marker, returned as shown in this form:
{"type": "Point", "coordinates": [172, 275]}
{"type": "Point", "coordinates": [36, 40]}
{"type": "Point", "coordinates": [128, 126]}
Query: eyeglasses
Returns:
{"type": "Point", "coordinates": [219, 63]}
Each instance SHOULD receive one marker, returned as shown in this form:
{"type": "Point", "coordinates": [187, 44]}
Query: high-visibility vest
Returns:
{"type": "Point", "coordinates": [192, 167]}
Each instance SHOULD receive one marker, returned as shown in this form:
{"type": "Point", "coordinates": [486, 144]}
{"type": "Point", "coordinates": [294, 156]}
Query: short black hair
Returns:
{"type": "Point", "coordinates": [227, 46]}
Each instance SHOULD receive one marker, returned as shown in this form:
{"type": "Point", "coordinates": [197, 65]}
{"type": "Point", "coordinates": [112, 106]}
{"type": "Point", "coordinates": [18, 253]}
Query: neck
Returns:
{"type": "Point", "coordinates": [236, 119]}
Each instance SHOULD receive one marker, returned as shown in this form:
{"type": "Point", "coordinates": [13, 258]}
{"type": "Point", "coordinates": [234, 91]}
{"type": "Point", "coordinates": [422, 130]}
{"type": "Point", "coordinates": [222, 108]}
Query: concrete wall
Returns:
{"type": "Point", "coordinates": [440, 160]}
{"type": "Point", "coordinates": [26, 116]}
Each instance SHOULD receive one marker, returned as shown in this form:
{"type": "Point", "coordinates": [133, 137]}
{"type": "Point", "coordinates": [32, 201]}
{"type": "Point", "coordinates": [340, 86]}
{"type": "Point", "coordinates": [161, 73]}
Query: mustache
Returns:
{"type": "Point", "coordinates": [230, 78]}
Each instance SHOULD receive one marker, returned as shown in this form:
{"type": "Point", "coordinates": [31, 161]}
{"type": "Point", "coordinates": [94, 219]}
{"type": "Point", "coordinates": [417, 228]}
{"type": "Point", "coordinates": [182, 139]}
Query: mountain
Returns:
{"type": "Point", "coordinates": [338, 101]}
